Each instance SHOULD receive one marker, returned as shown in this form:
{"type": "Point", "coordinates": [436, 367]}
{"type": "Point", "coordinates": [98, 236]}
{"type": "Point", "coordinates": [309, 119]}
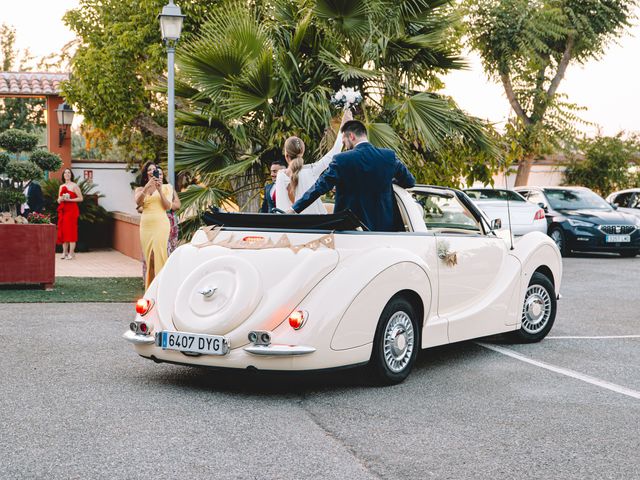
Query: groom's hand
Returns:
{"type": "Point", "coordinates": [289, 211]}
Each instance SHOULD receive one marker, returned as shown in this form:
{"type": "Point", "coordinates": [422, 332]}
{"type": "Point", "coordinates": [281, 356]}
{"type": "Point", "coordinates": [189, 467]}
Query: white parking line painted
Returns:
{"type": "Point", "coordinates": [564, 371]}
{"type": "Point", "coordinates": [593, 338]}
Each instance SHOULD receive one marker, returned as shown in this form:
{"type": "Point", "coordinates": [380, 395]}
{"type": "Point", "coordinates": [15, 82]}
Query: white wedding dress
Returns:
{"type": "Point", "coordinates": [306, 178]}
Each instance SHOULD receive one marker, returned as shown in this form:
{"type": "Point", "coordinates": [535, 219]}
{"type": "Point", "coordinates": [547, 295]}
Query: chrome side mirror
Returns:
{"type": "Point", "coordinates": [496, 224]}
{"type": "Point", "coordinates": [614, 206]}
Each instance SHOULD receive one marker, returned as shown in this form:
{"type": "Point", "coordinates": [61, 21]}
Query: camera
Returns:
{"type": "Point", "coordinates": [156, 173]}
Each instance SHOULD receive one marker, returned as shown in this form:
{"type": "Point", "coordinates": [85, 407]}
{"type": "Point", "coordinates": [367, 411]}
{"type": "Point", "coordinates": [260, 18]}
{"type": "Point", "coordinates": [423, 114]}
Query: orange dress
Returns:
{"type": "Point", "coordinates": [68, 213]}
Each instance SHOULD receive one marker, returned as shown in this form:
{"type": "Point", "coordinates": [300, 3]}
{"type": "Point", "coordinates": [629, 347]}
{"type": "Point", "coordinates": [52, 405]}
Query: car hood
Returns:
{"type": "Point", "coordinates": [600, 217]}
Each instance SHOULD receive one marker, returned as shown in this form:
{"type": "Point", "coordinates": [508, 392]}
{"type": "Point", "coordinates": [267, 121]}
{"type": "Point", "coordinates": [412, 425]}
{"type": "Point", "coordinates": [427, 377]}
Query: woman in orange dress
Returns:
{"type": "Point", "coordinates": [69, 196]}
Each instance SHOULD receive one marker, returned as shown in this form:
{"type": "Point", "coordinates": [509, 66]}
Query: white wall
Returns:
{"type": "Point", "coordinates": [540, 176]}
{"type": "Point", "coordinates": [112, 180]}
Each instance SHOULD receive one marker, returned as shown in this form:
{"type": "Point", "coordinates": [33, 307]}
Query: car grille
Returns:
{"type": "Point", "coordinates": [617, 229]}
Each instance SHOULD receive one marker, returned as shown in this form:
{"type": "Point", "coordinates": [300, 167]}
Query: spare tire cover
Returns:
{"type": "Point", "coordinates": [237, 290]}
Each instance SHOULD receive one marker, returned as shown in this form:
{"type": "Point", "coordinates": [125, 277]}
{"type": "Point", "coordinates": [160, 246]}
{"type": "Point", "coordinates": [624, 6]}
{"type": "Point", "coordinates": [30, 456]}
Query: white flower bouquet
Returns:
{"type": "Point", "coordinates": [346, 98]}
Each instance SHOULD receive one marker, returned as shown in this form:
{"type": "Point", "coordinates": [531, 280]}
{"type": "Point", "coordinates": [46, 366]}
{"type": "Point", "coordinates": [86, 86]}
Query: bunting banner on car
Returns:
{"type": "Point", "coordinates": [255, 242]}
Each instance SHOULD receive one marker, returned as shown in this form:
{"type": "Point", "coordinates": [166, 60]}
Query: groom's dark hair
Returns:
{"type": "Point", "coordinates": [354, 126]}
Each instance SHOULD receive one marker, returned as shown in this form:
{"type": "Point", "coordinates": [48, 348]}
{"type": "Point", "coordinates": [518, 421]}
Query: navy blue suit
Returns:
{"type": "Point", "coordinates": [267, 202]}
{"type": "Point", "coordinates": [363, 178]}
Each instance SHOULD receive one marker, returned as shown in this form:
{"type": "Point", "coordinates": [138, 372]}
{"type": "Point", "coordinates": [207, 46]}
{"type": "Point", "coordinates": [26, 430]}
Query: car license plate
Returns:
{"type": "Point", "coordinates": [193, 343]}
{"type": "Point", "coordinates": [618, 238]}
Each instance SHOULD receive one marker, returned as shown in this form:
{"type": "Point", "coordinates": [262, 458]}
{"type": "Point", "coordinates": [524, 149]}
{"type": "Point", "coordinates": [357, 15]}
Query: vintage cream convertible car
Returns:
{"type": "Point", "coordinates": [314, 292]}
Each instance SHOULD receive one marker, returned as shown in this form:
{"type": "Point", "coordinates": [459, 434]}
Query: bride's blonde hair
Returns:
{"type": "Point", "coordinates": [294, 149]}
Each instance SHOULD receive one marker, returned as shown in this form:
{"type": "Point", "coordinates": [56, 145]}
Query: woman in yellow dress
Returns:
{"type": "Point", "coordinates": [155, 200]}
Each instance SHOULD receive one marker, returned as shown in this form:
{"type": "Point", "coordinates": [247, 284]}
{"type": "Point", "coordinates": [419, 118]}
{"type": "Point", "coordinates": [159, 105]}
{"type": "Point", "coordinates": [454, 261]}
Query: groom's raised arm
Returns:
{"type": "Point", "coordinates": [403, 176]}
{"type": "Point", "coordinates": [326, 182]}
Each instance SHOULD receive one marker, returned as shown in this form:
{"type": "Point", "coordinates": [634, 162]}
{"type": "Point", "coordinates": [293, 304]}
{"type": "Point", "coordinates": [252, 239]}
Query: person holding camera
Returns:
{"type": "Point", "coordinates": [69, 195]}
{"type": "Point", "coordinates": [155, 198]}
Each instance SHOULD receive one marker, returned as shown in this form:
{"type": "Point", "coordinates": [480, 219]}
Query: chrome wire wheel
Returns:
{"type": "Point", "coordinates": [399, 341]}
{"type": "Point", "coordinates": [536, 310]}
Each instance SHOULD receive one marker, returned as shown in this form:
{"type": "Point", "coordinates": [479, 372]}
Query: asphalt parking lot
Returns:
{"type": "Point", "coordinates": [78, 403]}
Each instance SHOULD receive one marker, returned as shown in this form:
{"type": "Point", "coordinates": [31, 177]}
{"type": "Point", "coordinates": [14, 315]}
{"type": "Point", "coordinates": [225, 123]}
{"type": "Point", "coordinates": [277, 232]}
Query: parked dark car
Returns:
{"type": "Point", "coordinates": [580, 220]}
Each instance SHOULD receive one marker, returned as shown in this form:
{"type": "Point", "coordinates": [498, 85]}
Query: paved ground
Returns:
{"type": "Point", "coordinates": [98, 263]}
{"type": "Point", "coordinates": [78, 403]}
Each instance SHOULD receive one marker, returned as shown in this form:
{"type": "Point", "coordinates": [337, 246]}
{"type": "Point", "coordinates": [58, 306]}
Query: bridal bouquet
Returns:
{"type": "Point", "coordinates": [346, 97]}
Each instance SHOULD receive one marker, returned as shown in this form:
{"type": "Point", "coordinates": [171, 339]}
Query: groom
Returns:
{"type": "Point", "coordinates": [363, 178]}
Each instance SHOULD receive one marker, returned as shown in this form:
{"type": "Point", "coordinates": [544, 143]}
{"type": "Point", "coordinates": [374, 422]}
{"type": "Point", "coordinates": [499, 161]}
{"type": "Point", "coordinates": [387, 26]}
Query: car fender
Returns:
{"type": "Point", "coordinates": [537, 251]}
{"type": "Point", "coordinates": [360, 286]}
{"type": "Point", "coordinates": [358, 325]}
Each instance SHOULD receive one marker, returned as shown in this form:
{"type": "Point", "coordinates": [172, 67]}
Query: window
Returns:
{"type": "Point", "coordinates": [537, 197]}
{"type": "Point", "coordinates": [494, 194]}
{"type": "Point", "coordinates": [446, 213]}
{"type": "Point", "coordinates": [575, 199]}
{"type": "Point", "coordinates": [623, 200]}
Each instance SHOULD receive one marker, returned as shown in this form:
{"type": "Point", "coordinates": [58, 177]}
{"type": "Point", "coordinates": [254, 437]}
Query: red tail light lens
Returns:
{"type": "Point", "coordinates": [143, 306]}
{"type": "Point", "coordinates": [297, 319]}
{"type": "Point", "coordinates": [539, 215]}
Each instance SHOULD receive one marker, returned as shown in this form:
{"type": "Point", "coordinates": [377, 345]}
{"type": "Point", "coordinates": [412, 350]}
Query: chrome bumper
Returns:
{"type": "Point", "coordinates": [138, 339]}
{"type": "Point", "coordinates": [279, 350]}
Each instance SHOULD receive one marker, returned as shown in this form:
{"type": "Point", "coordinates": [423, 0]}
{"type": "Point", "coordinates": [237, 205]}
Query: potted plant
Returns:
{"type": "Point", "coordinates": [28, 245]}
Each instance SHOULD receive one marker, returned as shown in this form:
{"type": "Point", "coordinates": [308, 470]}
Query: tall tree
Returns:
{"type": "Point", "coordinates": [528, 46]}
{"type": "Point", "coordinates": [263, 70]}
{"type": "Point", "coordinates": [119, 63]}
{"type": "Point", "coordinates": [17, 113]}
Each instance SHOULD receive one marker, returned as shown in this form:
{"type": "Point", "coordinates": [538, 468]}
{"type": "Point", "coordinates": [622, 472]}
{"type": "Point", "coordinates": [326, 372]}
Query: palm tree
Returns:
{"type": "Point", "coordinates": [263, 70]}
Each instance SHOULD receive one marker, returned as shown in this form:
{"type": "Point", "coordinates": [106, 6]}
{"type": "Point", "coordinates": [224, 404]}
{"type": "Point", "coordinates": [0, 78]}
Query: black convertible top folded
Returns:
{"type": "Point", "coordinates": [341, 221]}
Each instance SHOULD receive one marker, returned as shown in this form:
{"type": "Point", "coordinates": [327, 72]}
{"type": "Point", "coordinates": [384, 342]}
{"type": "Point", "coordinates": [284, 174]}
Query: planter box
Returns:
{"type": "Point", "coordinates": [28, 253]}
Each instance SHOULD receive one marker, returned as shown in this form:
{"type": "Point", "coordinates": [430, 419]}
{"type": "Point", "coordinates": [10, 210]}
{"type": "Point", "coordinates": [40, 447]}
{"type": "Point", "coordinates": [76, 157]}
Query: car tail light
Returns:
{"type": "Point", "coordinates": [297, 319]}
{"type": "Point", "coordinates": [143, 328]}
{"type": "Point", "coordinates": [143, 306]}
{"type": "Point", "coordinates": [539, 215]}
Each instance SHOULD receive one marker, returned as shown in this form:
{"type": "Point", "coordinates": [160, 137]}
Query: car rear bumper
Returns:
{"type": "Point", "coordinates": [273, 357]}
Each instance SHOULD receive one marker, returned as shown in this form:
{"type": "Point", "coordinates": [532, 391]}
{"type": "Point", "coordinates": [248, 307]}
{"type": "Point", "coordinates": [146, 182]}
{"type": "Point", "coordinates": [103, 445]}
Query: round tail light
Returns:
{"type": "Point", "coordinates": [144, 328]}
{"type": "Point", "coordinates": [143, 306]}
{"type": "Point", "coordinates": [297, 319]}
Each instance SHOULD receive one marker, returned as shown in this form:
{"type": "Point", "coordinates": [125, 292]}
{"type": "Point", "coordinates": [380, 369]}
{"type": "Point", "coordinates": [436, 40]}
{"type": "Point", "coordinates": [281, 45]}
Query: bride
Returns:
{"type": "Point", "coordinates": [293, 182]}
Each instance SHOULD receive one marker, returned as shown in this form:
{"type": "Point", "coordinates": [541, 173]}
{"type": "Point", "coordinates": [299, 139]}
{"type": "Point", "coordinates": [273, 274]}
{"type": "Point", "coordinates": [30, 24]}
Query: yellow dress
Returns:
{"type": "Point", "coordinates": [154, 232]}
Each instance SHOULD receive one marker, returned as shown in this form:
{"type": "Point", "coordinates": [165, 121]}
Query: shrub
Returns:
{"type": "Point", "coordinates": [35, 217]}
{"type": "Point", "coordinates": [606, 164]}
{"type": "Point", "coordinates": [46, 160]}
{"type": "Point", "coordinates": [9, 198]}
{"type": "Point", "coordinates": [23, 171]}
{"type": "Point", "coordinates": [4, 159]}
{"type": "Point", "coordinates": [18, 141]}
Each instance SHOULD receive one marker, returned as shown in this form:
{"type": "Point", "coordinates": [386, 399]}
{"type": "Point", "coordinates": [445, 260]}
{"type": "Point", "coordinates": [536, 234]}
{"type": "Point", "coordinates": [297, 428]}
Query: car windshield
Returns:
{"type": "Point", "coordinates": [494, 194]}
{"type": "Point", "coordinates": [569, 199]}
{"type": "Point", "coordinates": [441, 212]}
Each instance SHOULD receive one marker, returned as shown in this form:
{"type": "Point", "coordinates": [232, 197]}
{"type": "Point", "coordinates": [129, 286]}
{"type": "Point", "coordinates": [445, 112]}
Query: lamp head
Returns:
{"type": "Point", "coordinates": [171, 22]}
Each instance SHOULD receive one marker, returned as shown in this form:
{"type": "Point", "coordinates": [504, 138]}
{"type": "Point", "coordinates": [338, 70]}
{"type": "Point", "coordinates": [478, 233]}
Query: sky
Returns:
{"type": "Point", "coordinates": [609, 88]}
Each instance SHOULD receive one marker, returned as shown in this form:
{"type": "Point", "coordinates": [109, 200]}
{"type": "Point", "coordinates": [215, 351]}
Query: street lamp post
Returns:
{"type": "Point", "coordinates": [170, 25]}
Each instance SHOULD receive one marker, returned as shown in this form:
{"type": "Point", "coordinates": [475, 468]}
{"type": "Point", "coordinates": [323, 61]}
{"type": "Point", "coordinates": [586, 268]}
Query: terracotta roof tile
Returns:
{"type": "Point", "coordinates": [31, 83]}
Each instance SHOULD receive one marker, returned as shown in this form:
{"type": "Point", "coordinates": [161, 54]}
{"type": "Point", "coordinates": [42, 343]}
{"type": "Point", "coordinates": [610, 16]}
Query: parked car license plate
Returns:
{"type": "Point", "coordinates": [618, 238]}
{"type": "Point", "coordinates": [194, 343]}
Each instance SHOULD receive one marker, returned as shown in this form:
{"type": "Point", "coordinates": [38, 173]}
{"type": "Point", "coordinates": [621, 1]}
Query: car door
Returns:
{"type": "Point", "coordinates": [477, 278]}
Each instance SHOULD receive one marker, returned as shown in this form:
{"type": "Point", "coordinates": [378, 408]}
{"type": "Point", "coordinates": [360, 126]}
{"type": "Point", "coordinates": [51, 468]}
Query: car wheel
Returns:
{"type": "Point", "coordinates": [538, 310]}
{"type": "Point", "coordinates": [396, 343]}
{"type": "Point", "coordinates": [558, 237]}
{"type": "Point", "coordinates": [628, 253]}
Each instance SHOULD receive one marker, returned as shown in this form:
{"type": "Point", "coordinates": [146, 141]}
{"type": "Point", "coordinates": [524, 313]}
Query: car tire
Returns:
{"type": "Point", "coordinates": [538, 310]}
{"type": "Point", "coordinates": [558, 236]}
{"type": "Point", "coordinates": [396, 343]}
{"type": "Point", "coordinates": [628, 253]}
